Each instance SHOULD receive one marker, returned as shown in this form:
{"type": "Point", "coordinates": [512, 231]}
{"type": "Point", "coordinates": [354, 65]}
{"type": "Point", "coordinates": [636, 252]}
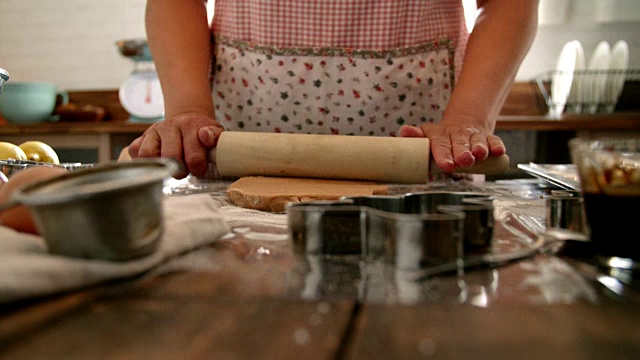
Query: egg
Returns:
{"type": "Point", "coordinates": [18, 217]}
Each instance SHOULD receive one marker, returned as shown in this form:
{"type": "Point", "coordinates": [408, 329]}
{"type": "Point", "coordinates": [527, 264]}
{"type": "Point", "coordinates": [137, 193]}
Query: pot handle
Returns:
{"type": "Point", "coordinates": [64, 97]}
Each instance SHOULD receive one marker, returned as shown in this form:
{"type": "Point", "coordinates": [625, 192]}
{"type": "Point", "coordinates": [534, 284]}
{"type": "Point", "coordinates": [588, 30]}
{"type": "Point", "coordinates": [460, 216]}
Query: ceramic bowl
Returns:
{"type": "Point", "coordinates": [30, 102]}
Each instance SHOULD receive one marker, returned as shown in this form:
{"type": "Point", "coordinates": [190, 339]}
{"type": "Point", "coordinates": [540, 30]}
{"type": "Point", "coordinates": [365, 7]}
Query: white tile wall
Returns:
{"type": "Point", "coordinates": [69, 42]}
{"type": "Point", "coordinates": [72, 42]}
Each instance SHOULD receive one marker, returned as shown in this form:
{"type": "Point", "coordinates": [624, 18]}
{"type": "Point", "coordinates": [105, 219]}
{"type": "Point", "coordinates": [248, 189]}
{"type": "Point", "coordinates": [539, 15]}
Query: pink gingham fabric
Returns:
{"type": "Point", "coordinates": [354, 67]}
{"type": "Point", "coordinates": [356, 24]}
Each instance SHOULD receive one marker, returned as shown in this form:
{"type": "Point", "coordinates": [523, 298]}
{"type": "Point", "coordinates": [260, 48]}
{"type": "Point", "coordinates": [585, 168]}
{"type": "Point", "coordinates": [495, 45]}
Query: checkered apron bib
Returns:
{"type": "Point", "coordinates": [349, 67]}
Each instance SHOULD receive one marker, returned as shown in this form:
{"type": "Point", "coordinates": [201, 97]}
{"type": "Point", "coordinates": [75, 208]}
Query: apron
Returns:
{"type": "Point", "coordinates": [335, 66]}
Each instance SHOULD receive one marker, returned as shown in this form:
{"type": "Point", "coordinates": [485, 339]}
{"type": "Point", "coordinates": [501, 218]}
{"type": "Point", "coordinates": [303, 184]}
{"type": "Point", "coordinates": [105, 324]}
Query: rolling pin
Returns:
{"type": "Point", "coordinates": [372, 158]}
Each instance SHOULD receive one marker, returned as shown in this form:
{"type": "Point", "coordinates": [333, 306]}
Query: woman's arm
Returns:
{"type": "Point", "coordinates": [501, 37]}
{"type": "Point", "coordinates": [179, 40]}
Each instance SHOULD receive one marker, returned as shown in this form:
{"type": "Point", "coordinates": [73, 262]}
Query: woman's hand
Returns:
{"type": "Point", "coordinates": [186, 137]}
{"type": "Point", "coordinates": [501, 37]}
{"type": "Point", "coordinates": [454, 146]}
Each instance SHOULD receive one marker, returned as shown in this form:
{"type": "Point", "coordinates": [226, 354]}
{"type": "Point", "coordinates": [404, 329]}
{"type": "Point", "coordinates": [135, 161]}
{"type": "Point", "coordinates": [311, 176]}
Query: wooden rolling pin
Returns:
{"type": "Point", "coordinates": [374, 158]}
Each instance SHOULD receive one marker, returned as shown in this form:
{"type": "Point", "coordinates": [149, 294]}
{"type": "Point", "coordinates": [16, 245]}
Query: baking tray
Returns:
{"type": "Point", "coordinates": [561, 175]}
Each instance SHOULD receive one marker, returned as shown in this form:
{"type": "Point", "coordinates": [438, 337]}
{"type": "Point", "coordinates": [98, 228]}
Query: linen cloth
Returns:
{"type": "Point", "coordinates": [27, 270]}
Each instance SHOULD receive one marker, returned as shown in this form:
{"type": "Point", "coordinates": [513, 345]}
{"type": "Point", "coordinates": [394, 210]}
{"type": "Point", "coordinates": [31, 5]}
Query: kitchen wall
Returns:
{"type": "Point", "coordinates": [72, 42]}
{"type": "Point", "coordinates": [68, 42]}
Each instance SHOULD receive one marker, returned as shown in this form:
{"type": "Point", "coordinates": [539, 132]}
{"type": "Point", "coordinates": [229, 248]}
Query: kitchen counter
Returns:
{"type": "Point", "coordinates": [249, 296]}
{"type": "Point", "coordinates": [109, 137]}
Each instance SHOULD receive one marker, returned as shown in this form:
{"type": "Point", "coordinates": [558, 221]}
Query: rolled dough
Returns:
{"type": "Point", "coordinates": [274, 193]}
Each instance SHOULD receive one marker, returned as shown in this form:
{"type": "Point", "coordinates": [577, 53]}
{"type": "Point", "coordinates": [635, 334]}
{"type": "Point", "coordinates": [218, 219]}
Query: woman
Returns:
{"type": "Point", "coordinates": [380, 67]}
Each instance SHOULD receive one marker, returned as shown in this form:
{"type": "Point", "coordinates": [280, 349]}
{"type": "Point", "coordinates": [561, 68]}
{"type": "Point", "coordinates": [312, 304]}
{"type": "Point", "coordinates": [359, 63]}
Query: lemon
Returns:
{"type": "Point", "coordinates": [11, 151]}
{"type": "Point", "coordinates": [39, 151]}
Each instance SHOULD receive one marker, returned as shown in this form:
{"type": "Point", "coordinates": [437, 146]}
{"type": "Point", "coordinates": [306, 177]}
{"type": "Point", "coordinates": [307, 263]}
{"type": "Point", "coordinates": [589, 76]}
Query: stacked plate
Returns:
{"type": "Point", "coordinates": [618, 64]}
{"type": "Point", "coordinates": [574, 104]}
{"type": "Point", "coordinates": [595, 81]}
{"type": "Point", "coordinates": [571, 58]}
{"type": "Point", "coordinates": [577, 87]}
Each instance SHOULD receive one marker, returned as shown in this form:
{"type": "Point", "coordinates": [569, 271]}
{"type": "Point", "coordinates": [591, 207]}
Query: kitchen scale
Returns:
{"type": "Point", "coordinates": [141, 94]}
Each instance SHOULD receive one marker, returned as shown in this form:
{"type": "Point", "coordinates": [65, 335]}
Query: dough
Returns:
{"type": "Point", "coordinates": [274, 193]}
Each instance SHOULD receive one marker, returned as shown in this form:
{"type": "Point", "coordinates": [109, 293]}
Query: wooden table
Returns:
{"type": "Point", "coordinates": [249, 297]}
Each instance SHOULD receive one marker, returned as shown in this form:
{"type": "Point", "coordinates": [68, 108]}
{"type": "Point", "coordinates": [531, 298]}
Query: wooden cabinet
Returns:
{"type": "Point", "coordinates": [107, 138]}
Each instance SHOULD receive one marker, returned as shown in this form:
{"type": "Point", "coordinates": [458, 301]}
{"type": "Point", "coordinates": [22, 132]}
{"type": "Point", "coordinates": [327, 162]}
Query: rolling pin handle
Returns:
{"type": "Point", "coordinates": [493, 165]}
{"type": "Point", "coordinates": [211, 156]}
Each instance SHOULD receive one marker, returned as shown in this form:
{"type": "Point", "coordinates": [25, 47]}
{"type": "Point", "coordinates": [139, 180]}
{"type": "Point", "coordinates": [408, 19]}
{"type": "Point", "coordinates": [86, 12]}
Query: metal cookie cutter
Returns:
{"type": "Point", "coordinates": [410, 231]}
{"type": "Point", "coordinates": [564, 209]}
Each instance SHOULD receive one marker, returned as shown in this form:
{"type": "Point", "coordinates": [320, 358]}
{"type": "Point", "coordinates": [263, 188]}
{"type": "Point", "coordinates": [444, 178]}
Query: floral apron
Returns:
{"type": "Point", "coordinates": [335, 66]}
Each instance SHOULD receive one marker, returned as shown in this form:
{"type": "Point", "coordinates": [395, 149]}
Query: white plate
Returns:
{"type": "Point", "coordinates": [618, 64]}
{"type": "Point", "coordinates": [141, 95]}
{"type": "Point", "coordinates": [574, 101]}
{"type": "Point", "coordinates": [596, 82]}
{"type": "Point", "coordinates": [563, 77]}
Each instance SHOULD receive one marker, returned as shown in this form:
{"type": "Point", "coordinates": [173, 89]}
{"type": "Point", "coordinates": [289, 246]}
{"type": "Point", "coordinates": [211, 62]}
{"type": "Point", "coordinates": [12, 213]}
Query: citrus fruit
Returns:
{"type": "Point", "coordinates": [39, 151]}
{"type": "Point", "coordinates": [11, 151]}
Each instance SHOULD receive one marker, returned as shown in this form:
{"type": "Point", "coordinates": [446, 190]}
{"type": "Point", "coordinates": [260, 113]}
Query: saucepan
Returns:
{"type": "Point", "coordinates": [111, 211]}
{"type": "Point", "coordinates": [4, 76]}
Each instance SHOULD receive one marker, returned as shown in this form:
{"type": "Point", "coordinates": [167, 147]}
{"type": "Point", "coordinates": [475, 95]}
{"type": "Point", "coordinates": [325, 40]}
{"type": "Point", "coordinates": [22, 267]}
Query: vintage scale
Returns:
{"type": "Point", "coordinates": [141, 95]}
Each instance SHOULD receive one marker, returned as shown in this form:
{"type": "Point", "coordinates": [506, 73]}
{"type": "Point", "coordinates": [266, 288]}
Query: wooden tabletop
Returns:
{"type": "Point", "coordinates": [246, 298]}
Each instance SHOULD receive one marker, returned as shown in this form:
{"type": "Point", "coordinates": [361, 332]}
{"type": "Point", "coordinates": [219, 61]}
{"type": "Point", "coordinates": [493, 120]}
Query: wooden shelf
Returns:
{"type": "Point", "coordinates": [521, 112]}
{"type": "Point", "coordinates": [622, 121]}
{"type": "Point", "coordinates": [598, 122]}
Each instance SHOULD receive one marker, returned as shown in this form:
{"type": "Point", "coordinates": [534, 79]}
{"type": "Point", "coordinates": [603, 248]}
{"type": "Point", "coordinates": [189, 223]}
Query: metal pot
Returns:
{"type": "Point", "coordinates": [4, 76]}
{"type": "Point", "coordinates": [111, 211]}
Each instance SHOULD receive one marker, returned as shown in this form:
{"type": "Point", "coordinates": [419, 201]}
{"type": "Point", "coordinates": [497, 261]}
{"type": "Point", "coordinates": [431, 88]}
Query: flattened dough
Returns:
{"type": "Point", "coordinates": [274, 193]}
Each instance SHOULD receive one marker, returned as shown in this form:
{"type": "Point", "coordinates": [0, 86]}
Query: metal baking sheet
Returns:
{"type": "Point", "coordinates": [562, 175]}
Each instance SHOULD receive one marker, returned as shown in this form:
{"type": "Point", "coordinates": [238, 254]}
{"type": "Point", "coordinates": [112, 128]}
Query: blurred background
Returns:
{"type": "Point", "coordinates": [72, 42]}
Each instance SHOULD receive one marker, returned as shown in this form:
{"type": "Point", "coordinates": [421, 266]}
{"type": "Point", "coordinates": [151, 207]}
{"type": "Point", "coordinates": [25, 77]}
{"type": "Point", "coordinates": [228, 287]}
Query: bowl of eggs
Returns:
{"type": "Point", "coordinates": [110, 211]}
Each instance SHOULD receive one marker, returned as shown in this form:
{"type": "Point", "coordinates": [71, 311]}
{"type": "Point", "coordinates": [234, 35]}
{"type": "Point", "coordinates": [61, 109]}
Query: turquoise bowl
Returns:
{"type": "Point", "coordinates": [30, 102]}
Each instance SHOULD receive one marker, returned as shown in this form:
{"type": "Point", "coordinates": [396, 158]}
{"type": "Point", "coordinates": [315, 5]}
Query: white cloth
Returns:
{"type": "Point", "coordinates": [27, 269]}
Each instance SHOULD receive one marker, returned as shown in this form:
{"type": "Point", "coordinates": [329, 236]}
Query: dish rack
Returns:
{"type": "Point", "coordinates": [9, 167]}
{"type": "Point", "coordinates": [585, 91]}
